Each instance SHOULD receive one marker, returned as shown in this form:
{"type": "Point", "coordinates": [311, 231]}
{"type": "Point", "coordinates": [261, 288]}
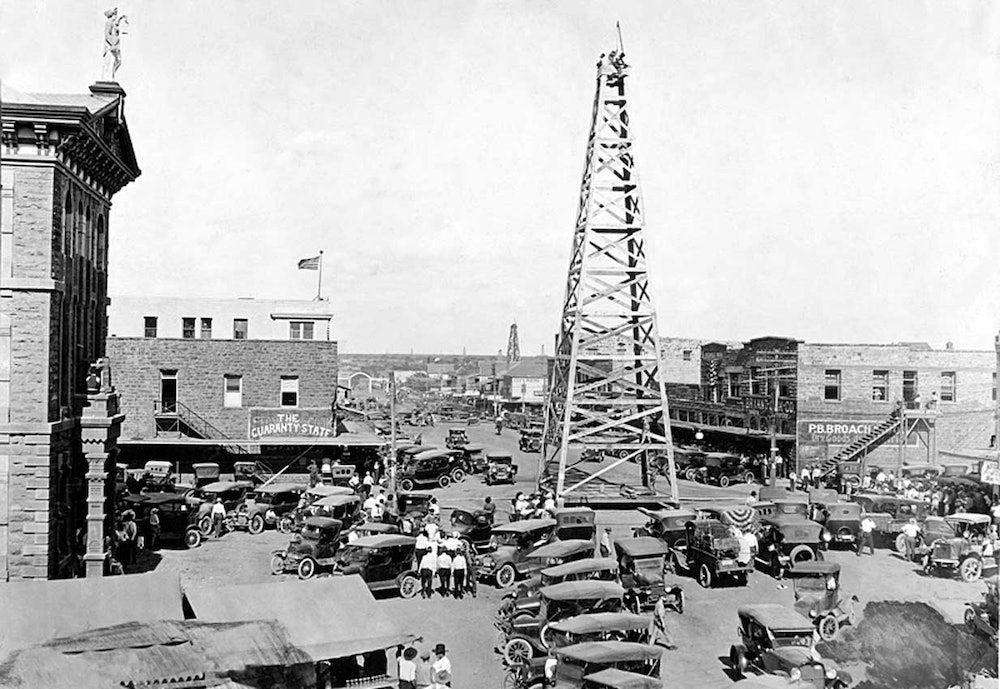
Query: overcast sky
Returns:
{"type": "Point", "coordinates": [819, 169]}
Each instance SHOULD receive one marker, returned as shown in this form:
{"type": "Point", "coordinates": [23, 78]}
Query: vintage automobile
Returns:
{"type": "Point", "coordinates": [474, 459]}
{"type": "Point", "coordinates": [439, 467]}
{"type": "Point", "coordinates": [415, 506]}
{"type": "Point", "coordinates": [600, 626]}
{"type": "Point", "coordinates": [267, 504]}
{"type": "Point", "coordinates": [362, 529]}
{"type": "Point", "coordinates": [981, 616]}
{"type": "Point", "coordinates": [743, 517]}
{"type": "Point", "coordinates": [613, 678]}
{"type": "Point", "coordinates": [722, 469]}
{"type": "Point", "coordinates": [500, 468]}
{"type": "Point", "coordinates": [787, 539]}
{"type": "Point", "coordinates": [590, 568]}
{"type": "Point", "coordinates": [549, 555]}
{"type": "Point", "coordinates": [842, 520]}
{"type": "Point", "coordinates": [820, 498]}
{"type": "Point", "coordinates": [818, 597]}
{"type": "Point", "coordinates": [294, 518]}
{"type": "Point", "coordinates": [251, 472]}
{"type": "Point", "coordinates": [475, 528]}
{"type": "Point", "coordinates": [511, 544]}
{"type": "Point", "coordinates": [962, 552]}
{"type": "Point", "coordinates": [205, 473]}
{"type": "Point", "coordinates": [890, 512]}
{"type": "Point", "coordinates": [641, 564]}
{"type": "Point", "coordinates": [178, 516]}
{"type": "Point", "coordinates": [232, 493]}
{"type": "Point", "coordinates": [776, 640]}
{"type": "Point", "coordinates": [710, 552]}
{"type": "Point", "coordinates": [384, 562]}
{"type": "Point", "coordinates": [457, 437]}
{"type": "Point", "coordinates": [575, 523]}
{"type": "Point", "coordinates": [344, 508]}
{"type": "Point", "coordinates": [527, 635]}
{"type": "Point", "coordinates": [667, 525]}
{"type": "Point", "coordinates": [530, 441]}
{"type": "Point", "coordinates": [574, 663]}
{"type": "Point", "coordinates": [312, 549]}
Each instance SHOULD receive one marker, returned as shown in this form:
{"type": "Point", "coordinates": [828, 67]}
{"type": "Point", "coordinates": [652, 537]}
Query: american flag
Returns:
{"type": "Point", "coordinates": [309, 263]}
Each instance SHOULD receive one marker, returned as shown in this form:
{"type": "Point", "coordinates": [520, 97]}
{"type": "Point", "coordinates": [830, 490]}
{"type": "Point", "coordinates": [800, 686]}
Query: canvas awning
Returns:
{"type": "Point", "coordinates": [33, 612]}
{"type": "Point", "coordinates": [326, 618]}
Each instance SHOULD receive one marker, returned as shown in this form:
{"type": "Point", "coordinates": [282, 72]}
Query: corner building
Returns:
{"type": "Point", "coordinates": [64, 156]}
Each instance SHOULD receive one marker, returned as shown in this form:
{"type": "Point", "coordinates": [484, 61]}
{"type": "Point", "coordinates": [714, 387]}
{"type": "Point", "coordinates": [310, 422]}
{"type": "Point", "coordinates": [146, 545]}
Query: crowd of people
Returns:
{"type": "Point", "coordinates": [446, 559]}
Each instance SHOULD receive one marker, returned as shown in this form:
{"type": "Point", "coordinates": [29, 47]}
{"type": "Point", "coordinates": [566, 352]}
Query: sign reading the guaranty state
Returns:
{"type": "Point", "coordinates": [990, 472]}
{"type": "Point", "coordinates": [290, 423]}
{"type": "Point", "coordinates": [833, 432]}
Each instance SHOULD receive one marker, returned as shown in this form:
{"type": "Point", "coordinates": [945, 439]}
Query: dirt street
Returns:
{"type": "Point", "coordinates": [703, 633]}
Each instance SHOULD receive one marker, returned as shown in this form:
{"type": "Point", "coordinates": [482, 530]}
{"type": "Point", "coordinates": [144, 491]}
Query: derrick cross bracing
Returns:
{"type": "Point", "coordinates": [606, 391]}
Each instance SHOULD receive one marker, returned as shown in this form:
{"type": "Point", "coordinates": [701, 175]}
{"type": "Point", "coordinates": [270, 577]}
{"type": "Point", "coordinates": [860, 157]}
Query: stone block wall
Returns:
{"type": "Point", "coordinates": [201, 366]}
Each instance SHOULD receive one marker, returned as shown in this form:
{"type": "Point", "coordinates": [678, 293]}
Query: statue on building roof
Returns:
{"type": "Point", "coordinates": [112, 43]}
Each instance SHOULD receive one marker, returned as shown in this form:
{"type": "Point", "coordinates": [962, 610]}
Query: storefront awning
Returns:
{"type": "Point", "coordinates": [32, 612]}
{"type": "Point", "coordinates": [325, 618]}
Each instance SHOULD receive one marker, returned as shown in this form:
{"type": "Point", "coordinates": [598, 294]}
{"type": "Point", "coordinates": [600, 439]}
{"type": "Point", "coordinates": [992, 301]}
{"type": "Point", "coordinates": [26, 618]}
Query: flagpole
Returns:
{"type": "Point", "coordinates": [319, 286]}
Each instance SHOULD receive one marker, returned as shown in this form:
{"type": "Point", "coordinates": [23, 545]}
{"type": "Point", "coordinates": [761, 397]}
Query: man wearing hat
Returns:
{"type": "Point", "coordinates": [440, 668]}
{"type": "Point", "coordinates": [408, 669]}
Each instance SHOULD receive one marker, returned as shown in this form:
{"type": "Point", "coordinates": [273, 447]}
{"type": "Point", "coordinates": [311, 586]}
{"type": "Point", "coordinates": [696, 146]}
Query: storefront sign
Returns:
{"type": "Point", "coordinates": [990, 472]}
{"type": "Point", "coordinates": [287, 423]}
{"type": "Point", "coordinates": [833, 432]}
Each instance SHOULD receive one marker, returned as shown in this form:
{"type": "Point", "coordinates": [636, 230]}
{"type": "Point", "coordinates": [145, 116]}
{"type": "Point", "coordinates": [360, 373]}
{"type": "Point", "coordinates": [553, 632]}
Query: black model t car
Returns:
{"type": "Point", "coordinates": [457, 437]}
{"type": "Point", "coordinates": [500, 468]}
{"type": "Point", "coordinates": [475, 528]}
{"type": "Point", "coordinates": [267, 504]}
{"type": "Point", "coordinates": [641, 562]}
{"type": "Point", "coordinates": [711, 552]}
{"type": "Point", "coordinates": [778, 641]}
{"type": "Point", "coordinates": [531, 440]}
{"type": "Point", "coordinates": [439, 467]}
{"type": "Point", "coordinates": [667, 525]}
{"type": "Point", "coordinates": [178, 515]}
{"type": "Point", "coordinates": [232, 493]}
{"type": "Point", "coordinates": [722, 468]}
{"type": "Point", "coordinates": [385, 562]}
{"type": "Point", "coordinates": [312, 549]}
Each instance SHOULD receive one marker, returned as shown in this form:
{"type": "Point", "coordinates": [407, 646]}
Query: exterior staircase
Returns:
{"type": "Point", "coordinates": [180, 420]}
{"type": "Point", "coordinates": [865, 444]}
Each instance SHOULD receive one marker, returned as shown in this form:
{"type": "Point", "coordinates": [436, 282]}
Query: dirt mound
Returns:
{"type": "Point", "coordinates": [910, 645]}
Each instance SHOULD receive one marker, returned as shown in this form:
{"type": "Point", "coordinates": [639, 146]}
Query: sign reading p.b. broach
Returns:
{"type": "Point", "coordinates": [286, 423]}
{"type": "Point", "coordinates": [833, 432]}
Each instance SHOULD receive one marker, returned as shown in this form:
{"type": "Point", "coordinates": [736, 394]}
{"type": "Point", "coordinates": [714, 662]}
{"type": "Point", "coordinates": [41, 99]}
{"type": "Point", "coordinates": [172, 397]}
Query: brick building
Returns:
{"type": "Point", "coordinates": [845, 391]}
{"type": "Point", "coordinates": [218, 380]}
{"type": "Point", "coordinates": [64, 156]}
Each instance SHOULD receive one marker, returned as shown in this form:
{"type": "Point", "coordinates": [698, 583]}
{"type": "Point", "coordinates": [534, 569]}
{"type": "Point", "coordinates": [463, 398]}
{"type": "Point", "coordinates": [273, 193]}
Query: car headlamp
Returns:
{"type": "Point", "coordinates": [831, 673]}
{"type": "Point", "coordinates": [827, 536]}
{"type": "Point", "coordinates": [795, 674]}
{"type": "Point", "coordinates": [813, 613]}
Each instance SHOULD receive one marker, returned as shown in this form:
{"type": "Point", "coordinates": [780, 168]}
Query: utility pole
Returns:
{"type": "Point", "coordinates": [774, 434]}
{"type": "Point", "coordinates": [392, 432]}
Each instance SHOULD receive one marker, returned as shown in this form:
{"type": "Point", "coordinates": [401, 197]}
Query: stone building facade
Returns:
{"type": "Point", "coordinates": [845, 390]}
{"type": "Point", "coordinates": [64, 157]}
{"type": "Point", "coordinates": [211, 386]}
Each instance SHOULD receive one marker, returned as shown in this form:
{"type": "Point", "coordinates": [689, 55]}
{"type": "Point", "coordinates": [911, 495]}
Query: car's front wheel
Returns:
{"type": "Point", "coordinates": [192, 538]}
{"type": "Point", "coordinates": [277, 564]}
{"type": "Point", "coordinates": [723, 481]}
{"type": "Point", "coordinates": [444, 481]}
{"type": "Point", "coordinates": [970, 569]}
{"type": "Point", "coordinates": [205, 525]}
{"type": "Point", "coordinates": [406, 485]}
{"type": "Point", "coordinates": [457, 475]}
{"type": "Point", "coordinates": [409, 586]}
{"type": "Point", "coordinates": [705, 576]}
{"type": "Point", "coordinates": [256, 524]}
{"type": "Point", "coordinates": [505, 576]}
{"type": "Point", "coordinates": [900, 544]}
{"type": "Point", "coordinates": [828, 628]}
{"type": "Point", "coordinates": [307, 568]}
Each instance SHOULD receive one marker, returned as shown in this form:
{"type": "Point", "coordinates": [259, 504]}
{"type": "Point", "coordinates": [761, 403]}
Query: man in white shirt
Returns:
{"type": "Point", "coordinates": [910, 532]}
{"type": "Point", "coordinates": [458, 567]}
{"type": "Point", "coordinates": [867, 535]}
{"type": "Point", "coordinates": [444, 571]}
{"type": "Point", "coordinates": [428, 564]}
{"type": "Point", "coordinates": [452, 543]}
{"type": "Point", "coordinates": [407, 669]}
{"type": "Point", "coordinates": [441, 667]}
{"type": "Point", "coordinates": [432, 531]}
{"type": "Point", "coordinates": [218, 515]}
{"type": "Point", "coordinates": [369, 506]}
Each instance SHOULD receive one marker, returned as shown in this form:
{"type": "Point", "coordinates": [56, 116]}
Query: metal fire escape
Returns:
{"type": "Point", "coordinates": [607, 394]}
{"type": "Point", "coordinates": [178, 419]}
